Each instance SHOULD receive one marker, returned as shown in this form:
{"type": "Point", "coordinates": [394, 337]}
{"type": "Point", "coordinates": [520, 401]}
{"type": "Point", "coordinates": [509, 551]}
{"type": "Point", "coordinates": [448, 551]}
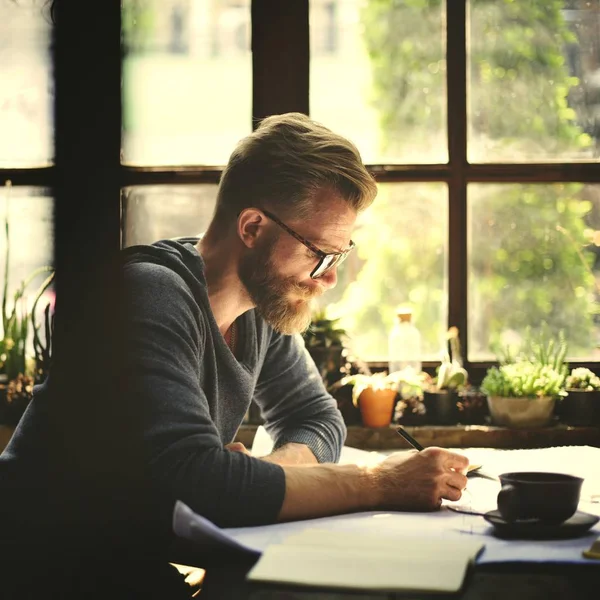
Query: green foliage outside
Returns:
{"type": "Point", "coordinates": [528, 250]}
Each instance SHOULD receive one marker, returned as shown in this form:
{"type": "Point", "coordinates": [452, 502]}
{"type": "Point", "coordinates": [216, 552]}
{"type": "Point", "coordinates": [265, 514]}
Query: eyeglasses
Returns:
{"type": "Point", "coordinates": [327, 260]}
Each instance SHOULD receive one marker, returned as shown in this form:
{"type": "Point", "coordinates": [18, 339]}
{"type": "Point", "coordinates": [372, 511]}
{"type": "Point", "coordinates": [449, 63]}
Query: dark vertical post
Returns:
{"type": "Point", "coordinates": [457, 149]}
{"type": "Point", "coordinates": [280, 57]}
{"type": "Point", "coordinates": [87, 70]}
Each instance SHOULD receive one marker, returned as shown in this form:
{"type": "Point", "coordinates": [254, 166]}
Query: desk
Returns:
{"type": "Point", "coordinates": [516, 582]}
{"type": "Point", "coordinates": [152, 579]}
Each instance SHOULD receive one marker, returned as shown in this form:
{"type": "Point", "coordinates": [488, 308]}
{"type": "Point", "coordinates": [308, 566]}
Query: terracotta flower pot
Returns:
{"type": "Point", "coordinates": [521, 413]}
{"type": "Point", "coordinates": [376, 406]}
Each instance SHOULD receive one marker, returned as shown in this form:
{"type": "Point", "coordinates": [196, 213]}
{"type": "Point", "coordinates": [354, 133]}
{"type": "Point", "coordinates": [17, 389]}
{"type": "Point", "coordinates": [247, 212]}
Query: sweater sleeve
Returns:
{"type": "Point", "coordinates": [184, 455]}
{"type": "Point", "coordinates": [294, 402]}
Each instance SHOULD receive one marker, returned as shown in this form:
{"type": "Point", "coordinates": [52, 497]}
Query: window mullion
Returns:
{"type": "Point", "coordinates": [280, 57]}
{"type": "Point", "coordinates": [456, 73]}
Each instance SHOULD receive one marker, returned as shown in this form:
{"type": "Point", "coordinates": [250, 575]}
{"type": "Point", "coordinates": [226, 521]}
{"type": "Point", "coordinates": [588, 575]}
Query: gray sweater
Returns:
{"type": "Point", "coordinates": [191, 394]}
{"type": "Point", "coordinates": [197, 393]}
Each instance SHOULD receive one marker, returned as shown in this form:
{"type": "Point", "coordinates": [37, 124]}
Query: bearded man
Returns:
{"type": "Point", "coordinates": [213, 323]}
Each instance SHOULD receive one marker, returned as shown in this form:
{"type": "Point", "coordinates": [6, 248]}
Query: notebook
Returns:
{"type": "Point", "coordinates": [320, 558]}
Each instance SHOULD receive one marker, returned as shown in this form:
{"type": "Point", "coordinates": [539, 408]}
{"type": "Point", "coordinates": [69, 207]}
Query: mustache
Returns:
{"type": "Point", "coordinates": [305, 292]}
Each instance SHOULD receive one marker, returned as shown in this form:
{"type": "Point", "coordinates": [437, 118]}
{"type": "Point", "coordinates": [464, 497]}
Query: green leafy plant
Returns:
{"type": "Point", "coordinates": [538, 369]}
{"type": "Point", "coordinates": [324, 332]}
{"type": "Point", "coordinates": [19, 371]}
{"type": "Point", "coordinates": [582, 379]}
{"type": "Point", "coordinates": [523, 379]}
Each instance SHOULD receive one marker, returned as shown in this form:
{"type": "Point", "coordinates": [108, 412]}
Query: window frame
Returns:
{"type": "Point", "coordinates": [280, 70]}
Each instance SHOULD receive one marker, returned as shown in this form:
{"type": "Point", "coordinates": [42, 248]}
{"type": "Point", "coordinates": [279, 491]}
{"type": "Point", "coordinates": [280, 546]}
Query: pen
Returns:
{"type": "Point", "coordinates": [410, 439]}
{"type": "Point", "coordinates": [473, 471]}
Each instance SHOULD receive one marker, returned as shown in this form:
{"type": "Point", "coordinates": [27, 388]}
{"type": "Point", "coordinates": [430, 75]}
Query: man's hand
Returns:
{"type": "Point", "coordinates": [238, 447]}
{"type": "Point", "coordinates": [419, 480]}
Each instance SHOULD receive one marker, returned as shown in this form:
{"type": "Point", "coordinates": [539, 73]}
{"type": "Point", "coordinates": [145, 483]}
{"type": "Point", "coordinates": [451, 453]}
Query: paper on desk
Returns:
{"type": "Point", "coordinates": [583, 461]}
{"type": "Point", "coordinates": [191, 526]}
{"type": "Point", "coordinates": [317, 558]}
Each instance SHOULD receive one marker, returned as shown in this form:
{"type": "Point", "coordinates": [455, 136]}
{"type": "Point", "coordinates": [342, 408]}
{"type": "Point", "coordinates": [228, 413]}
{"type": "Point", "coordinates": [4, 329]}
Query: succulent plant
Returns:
{"type": "Point", "coordinates": [582, 379]}
{"type": "Point", "coordinates": [451, 374]}
{"type": "Point", "coordinates": [523, 379]}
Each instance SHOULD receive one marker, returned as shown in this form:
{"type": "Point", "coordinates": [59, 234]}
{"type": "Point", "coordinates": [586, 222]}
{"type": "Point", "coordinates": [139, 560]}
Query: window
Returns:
{"type": "Point", "coordinates": [479, 119]}
{"type": "Point", "coordinates": [26, 148]}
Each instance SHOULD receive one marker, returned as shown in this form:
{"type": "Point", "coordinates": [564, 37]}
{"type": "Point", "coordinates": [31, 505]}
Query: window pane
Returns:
{"type": "Point", "coordinates": [534, 78]}
{"type": "Point", "coordinates": [534, 258]}
{"type": "Point", "coordinates": [26, 122]}
{"type": "Point", "coordinates": [187, 81]}
{"type": "Point", "coordinates": [160, 212]}
{"type": "Point", "coordinates": [377, 75]}
{"type": "Point", "coordinates": [401, 258]}
{"type": "Point", "coordinates": [31, 245]}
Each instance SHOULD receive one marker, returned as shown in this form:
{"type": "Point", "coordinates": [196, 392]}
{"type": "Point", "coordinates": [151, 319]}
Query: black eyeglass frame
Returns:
{"type": "Point", "coordinates": [327, 260]}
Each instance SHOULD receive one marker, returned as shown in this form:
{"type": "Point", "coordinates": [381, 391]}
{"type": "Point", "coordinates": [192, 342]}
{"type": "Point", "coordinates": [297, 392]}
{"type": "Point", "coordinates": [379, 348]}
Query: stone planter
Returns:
{"type": "Point", "coordinates": [521, 413]}
{"type": "Point", "coordinates": [580, 408]}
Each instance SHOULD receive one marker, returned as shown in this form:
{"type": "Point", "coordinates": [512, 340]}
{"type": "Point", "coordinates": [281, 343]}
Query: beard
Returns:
{"type": "Point", "coordinates": [282, 302]}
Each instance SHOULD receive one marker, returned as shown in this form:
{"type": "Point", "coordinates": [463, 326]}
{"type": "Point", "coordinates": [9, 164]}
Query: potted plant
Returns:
{"type": "Point", "coordinates": [440, 396]}
{"type": "Point", "coordinates": [325, 341]}
{"type": "Point", "coordinates": [581, 405]}
{"type": "Point", "coordinates": [522, 390]}
{"type": "Point", "coordinates": [19, 370]}
{"type": "Point", "coordinates": [375, 394]}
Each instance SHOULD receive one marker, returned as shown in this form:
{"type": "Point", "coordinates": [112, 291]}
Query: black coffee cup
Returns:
{"type": "Point", "coordinates": [547, 497]}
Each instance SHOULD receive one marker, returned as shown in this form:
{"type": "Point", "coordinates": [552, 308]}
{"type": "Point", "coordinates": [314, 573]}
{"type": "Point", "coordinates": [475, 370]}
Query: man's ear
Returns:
{"type": "Point", "coordinates": [251, 225]}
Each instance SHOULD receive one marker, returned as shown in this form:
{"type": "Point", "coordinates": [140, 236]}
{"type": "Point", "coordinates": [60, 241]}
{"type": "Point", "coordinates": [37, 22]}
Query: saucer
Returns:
{"type": "Point", "coordinates": [577, 525]}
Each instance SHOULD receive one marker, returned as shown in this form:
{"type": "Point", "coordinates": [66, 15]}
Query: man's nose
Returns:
{"type": "Point", "coordinates": [329, 279]}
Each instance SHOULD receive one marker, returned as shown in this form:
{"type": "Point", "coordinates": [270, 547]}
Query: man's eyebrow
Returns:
{"type": "Point", "coordinates": [326, 246]}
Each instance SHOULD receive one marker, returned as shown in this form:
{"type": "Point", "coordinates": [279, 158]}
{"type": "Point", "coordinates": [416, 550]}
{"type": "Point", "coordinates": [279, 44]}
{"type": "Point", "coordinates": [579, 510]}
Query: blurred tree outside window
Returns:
{"type": "Point", "coordinates": [533, 95]}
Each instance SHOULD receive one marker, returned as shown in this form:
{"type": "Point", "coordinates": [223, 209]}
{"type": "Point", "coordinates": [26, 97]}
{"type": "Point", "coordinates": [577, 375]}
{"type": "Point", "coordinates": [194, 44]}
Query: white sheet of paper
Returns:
{"type": "Point", "coordinates": [191, 526]}
{"type": "Point", "coordinates": [345, 560]}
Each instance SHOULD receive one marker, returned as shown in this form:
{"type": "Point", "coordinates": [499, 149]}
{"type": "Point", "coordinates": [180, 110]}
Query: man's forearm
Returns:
{"type": "Point", "coordinates": [403, 481]}
{"type": "Point", "coordinates": [325, 490]}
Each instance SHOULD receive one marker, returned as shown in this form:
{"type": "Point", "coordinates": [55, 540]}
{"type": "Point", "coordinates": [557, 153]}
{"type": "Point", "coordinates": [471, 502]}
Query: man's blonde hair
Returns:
{"type": "Point", "coordinates": [285, 163]}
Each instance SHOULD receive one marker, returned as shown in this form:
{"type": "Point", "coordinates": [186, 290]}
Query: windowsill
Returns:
{"type": "Point", "coordinates": [449, 436]}
{"type": "Point", "coordinates": [459, 436]}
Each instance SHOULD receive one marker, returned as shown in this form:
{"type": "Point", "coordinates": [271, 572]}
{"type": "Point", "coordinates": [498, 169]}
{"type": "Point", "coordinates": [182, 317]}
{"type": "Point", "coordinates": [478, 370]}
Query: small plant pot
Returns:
{"type": "Point", "coordinates": [376, 407]}
{"type": "Point", "coordinates": [521, 413]}
{"type": "Point", "coordinates": [441, 407]}
{"type": "Point", "coordinates": [472, 407]}
{"type": "Point", "coordinates": [580, 408]}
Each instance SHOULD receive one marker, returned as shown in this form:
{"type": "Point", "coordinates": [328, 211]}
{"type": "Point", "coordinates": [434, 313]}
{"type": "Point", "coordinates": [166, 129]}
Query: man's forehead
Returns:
{"type": "Point", "coordinates": [331, 229]}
